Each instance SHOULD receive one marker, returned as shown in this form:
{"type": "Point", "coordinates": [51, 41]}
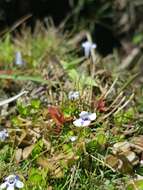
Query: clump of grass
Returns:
{"type": "Point", "coordinates": [7, 52]}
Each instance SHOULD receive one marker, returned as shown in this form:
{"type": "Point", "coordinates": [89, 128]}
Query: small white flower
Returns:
{"type": "Point", "coordinates": [87, 115]}
{"type": "Point", "coordinates": [12, 182]}
{"type": "Point", "coordinates": [81, 123]}
{"type": "Point", "coordinates": [73, 138]}
{"type": "Point", "coordinates": [73, 95]}
{"type": "Point", "coordinates": [18, 58]}
{"type": "Point", "coordinates": [3, 135]}
{"type": "Point", "coordinates": [85, 119]}
{"type": "Point", "coordinates": [88, 46]}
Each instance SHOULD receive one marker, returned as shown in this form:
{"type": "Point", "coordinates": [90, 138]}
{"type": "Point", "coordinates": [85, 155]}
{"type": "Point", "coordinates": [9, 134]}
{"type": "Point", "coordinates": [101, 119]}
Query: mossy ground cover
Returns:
{"type": "Point", "coordinates": [44, 148]}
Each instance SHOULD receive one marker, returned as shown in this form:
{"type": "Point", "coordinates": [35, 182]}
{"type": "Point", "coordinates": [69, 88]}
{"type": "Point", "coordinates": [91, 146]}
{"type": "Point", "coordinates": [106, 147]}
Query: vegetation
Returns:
{"type": "Point", "coordinates": [44, 146]}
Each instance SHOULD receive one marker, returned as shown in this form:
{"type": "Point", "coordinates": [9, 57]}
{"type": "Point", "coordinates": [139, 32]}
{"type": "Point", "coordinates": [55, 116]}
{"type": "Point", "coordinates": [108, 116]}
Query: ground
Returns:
{"type": "Point", "coordinates": [44, 147]}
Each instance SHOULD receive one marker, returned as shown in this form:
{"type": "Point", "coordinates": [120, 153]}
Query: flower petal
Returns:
{"type": "Point", "coordinates": [10, 187]}
{"type": "Point", "coordinates": [87, 48]}
{"type": "Point", "coordinates": [94, 46]}
{"type": "Point", "coordinates": [73, 95]}
{"type": "Point", "coordinates": [18, 58]}
{"type": "Point", "coordinates": [3, 185]}
{"type": "Point", "coordinates": [86, 44]}
{"type": "Point", "coordinates": [84, 114]}
{"type": "Point", "coordinates": [86, 123]}
{"type": "Point", "coordinates": [87, 52]}
{"type": "Point", "coordinates": [92, 116]}
{"type": "Point", "coordinates": [76, 94]}
{"type": "Point", "coordinates": [78, 122]}
{"type": "Point", "coordinates": [12, 176]}
{"type": "Point", "coordinates": [3, 134]}
{"type": "Point", "coordinates": [19, 184]}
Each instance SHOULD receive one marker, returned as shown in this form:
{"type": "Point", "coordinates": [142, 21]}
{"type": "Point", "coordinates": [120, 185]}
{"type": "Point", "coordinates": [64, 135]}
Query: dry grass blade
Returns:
{"type": "Point", "coordinates": [12, 98]}
{"type": "Point", "coordinates": [103, 163]}
{"type": "Point", "coordinates": [111, 88]}
{"type": "Point", "coordinates": [114, 109]}
{"type": "Point", "coordinates": [125, 104]}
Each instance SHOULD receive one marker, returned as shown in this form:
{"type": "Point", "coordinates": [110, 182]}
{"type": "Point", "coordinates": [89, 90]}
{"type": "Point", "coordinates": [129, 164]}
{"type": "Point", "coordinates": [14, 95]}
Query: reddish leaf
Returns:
{"type": "Point", "coordinates": [56, 115]}
{"type": "Point", "coordinates": [101, 105]}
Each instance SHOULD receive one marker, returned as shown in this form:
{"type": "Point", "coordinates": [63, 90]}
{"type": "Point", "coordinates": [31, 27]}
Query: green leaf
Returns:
{"type": "Point", "coordinates": [135, 185]}
{"type": "Point", "coordinates": [37, 177]}
{"type": "Point", "coordinates": [101, 139]}
{"type": "Point", "coordinates": [72, 64]}
{"type": "Point", "coordinates": [124, 117]}
{"type": "Point", "coordinates": [89, 81]}
{"type": "Point", "coordinates": [7, 51]}
{"type": "Point", "coordinates": [81, 79]}
{"type": "Point", "coordinates": [23, 110]}
{"type": "Point", "coordinates": [35, 104]}
{"type": "Point", "coordinates": [37, 149]}
{"type": "Point", "coordinates": [24, 78]}
{"type": "Point", "coordinates": [137, 38]}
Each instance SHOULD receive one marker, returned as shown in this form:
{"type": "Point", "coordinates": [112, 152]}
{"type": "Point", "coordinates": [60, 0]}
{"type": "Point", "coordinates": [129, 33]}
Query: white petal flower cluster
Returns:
{"type": "Point", "coordinates": [85, 119]}
{"type": "Point", "coordinates": [12, 182]}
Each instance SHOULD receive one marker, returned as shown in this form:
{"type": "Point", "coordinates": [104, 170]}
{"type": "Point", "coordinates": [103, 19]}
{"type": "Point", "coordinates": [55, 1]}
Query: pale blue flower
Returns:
{"type": "Point", "coordinates": [3, 135]}
{"type": "Point", "coordinates": [12, 182]}
{"type": "Point", "coordinates": [73, 95]}
{"type": "Point", "coordinates": [88, 46]}
{"type": "Point", "coordinates": [18, 58]}
{"type": "Point", "coordinates": [85, 119]}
